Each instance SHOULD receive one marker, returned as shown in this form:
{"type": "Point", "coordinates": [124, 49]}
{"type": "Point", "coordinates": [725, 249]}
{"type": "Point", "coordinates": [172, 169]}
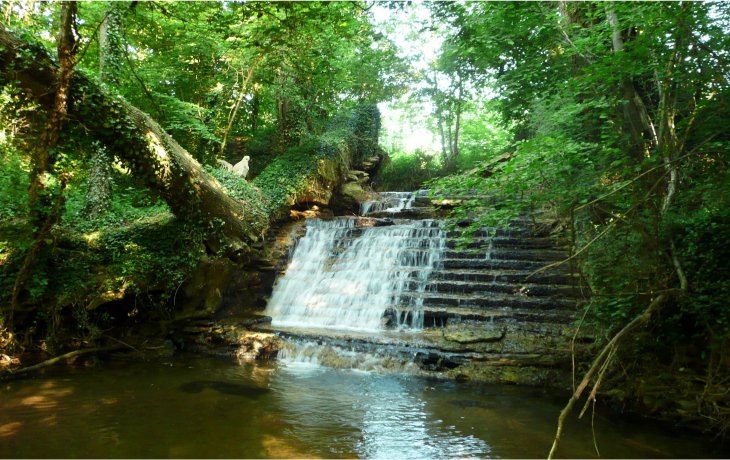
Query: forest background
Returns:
{"type": "Point", "coordinates": [607, 117]}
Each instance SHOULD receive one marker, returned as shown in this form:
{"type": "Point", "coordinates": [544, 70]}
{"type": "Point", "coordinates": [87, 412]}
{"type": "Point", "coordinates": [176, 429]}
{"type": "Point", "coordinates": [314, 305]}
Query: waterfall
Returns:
{"type": "Point", "coordinates": [347, 277]}
{"type": "Point", "coordinates": [389, 202]}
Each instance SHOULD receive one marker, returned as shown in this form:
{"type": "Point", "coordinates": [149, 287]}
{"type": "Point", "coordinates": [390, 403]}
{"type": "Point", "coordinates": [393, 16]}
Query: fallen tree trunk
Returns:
{"type": "Point", "coordinates": [131, 135]}
{"type": "Point", "coordinates": [58, 359]}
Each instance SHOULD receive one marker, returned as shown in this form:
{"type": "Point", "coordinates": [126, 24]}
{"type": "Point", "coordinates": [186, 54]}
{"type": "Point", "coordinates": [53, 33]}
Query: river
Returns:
{"type": "Point", "coordinates": [199, 406]}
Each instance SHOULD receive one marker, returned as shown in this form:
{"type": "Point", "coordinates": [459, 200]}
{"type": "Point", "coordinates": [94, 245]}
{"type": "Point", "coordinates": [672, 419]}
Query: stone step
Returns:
{"type": "Point", "coordinates": [508, 242]}
{"type": "Point", "coordinates": [499, 264]}
{"type": "Point", "coordinates": [502, 259]}
{"type": "Point", "coordinates": [514, 227]}
{"type": "Point", "coordinates": [503, 276]}
{"type": "Point", "coordinates": [492, 232]}
{"type": "Point", "coordinates": [418, 232]}
{"type": "Point", "coordinates": [437, 317]}
{"type": "Point", "coordinates": [431, 336]}
{"type": "Point", "coordinates": [529, 290]}
{"type": "Point", "coordinates": [430, 299]}
{"type": "Point", "coordinates": [488, 287]}
{"type": "Point", "coordinates": [427, 237]}
{"type": "Point", "coordinates": [534, 255]}
{"type": "Point", "coordinates": [424, 212]}
{"type": "Point", "coordinates": [461, 261]}
{"type": "Point", "coordinates": [441, 316]}
{"type": "Point", "coordinates": [518, 228]}
{"type": "Point", "coordinates": [515, 340]}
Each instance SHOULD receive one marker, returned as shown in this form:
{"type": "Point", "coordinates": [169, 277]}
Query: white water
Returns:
{"type": "Point", "coordinates": [305, 357]}
{"type": "Point", "coordinates": [345, 277]}
{"type": "Point", "coordinates": [389, 202]}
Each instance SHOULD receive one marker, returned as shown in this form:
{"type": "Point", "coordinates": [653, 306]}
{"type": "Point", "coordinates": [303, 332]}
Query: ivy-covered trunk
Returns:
{"type": "Point", "coordinates": [45, 194]}
{"type": "Point", "coordinates": [152, 155]}
{"type": "Point", "coordinates": [99, 193]}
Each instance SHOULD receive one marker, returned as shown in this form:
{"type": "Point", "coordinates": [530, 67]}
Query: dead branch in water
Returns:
{"type": "Point", "coordinates": [53, 361]}
{"type": "Point", "coordinates": [601, 363]}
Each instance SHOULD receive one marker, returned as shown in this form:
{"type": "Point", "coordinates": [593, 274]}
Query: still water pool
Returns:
{"type": "Point", "coordinates": [196, 406]}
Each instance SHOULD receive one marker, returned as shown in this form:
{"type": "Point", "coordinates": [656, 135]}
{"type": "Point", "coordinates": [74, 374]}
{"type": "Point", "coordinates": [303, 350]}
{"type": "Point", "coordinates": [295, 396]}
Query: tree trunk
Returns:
{"type": "Point", "coordinates": [110, 46]}
{"type": "Point", "coordinates": [444, 153]}
{"type": "Point", "coordinates": [636, 117]}
{"type": "Point", "coordinates": [439, 119]}
{"type": "Point", "coordinates": [46, 201]}
{"type": "Point", "coordinates": [255, 113]}
{"type": "Point", "coordinates": [242, 91]}
{"type": "Point", "coordinates": [451, 146]}
{"type": "Point", "coordinates": [153, 156]}
{"type": "Point", "coordinates": [455, 150]}
{"type": "Point", "coordinates": [99, 193]}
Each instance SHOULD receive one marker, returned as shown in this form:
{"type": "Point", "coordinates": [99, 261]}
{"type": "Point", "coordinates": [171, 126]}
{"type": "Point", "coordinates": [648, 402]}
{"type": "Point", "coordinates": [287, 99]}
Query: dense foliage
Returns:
{"type": "Point", "coordinates": [618, 113]}
{"type": "Point", "coordinates": [292, 85]}
{"type": "Point", "coordinates": [606, 120]}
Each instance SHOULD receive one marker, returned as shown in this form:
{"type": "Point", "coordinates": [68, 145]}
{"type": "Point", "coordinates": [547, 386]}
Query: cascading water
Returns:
{"type": "Point", "coordinates": [348, 277]}
{"type": "Point", "coordinates": [389, 202]}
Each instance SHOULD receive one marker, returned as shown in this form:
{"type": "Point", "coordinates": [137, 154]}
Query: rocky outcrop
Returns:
{"type": "Point", "coordinates": [355, 189]}
{"type": "Point", "coordinates": [474, 335]}
{"type": "Point", "coordinates": [203, 292]}
{"type": "Point", "coordinates": [230, 337]}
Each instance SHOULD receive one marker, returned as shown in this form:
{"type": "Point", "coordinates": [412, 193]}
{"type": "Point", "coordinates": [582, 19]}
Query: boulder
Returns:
{"type": "Point", "coordinates": [258, 345]}
{"type": "Point", "coordinates": [353, 192]}
{"type": "Point", "coordinates": [240, 169]}
{"type": "Point", "coordinates": [203, 289]}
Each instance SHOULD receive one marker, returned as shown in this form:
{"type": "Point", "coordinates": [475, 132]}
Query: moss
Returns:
{"type": "Point", "coordinates": [320, 160]}
{"type": "Point", "coordinates": [240, 189]}
{"type": "Point", "coordinates": [149, 259]}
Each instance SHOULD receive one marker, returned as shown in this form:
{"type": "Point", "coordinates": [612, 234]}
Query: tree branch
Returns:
{"type": "Point", "coordinates": [160, 113]}
{"type": "Point", "coordinates": [81, 55]}
{"type": "Point", "coordinates": [610, 347]}
{"type": "Point", "coordinates": [57, 359]}
{"type": "Point", "coordinates": [557, 264]}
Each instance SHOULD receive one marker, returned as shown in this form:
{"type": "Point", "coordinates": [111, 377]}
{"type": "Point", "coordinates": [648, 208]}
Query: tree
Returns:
{"type": "Point", "coordinates": [98, 196]}
{"type": "Point", "coordinates": [134, 137]}
{"type": "Point", "coordinates": [45, 193]}
{"type": "Point", "coordinates": [617, 107]}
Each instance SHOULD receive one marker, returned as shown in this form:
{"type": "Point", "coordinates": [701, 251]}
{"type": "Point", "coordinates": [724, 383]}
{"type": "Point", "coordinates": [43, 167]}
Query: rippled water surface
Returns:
{"type": "Point", "coordinates": [193, 406]}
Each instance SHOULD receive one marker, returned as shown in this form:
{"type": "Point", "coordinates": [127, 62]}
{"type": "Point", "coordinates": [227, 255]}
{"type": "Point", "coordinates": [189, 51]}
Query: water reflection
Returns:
{"type": "Point", "coordinates": [216, 408]}
{"type": "Point", "coordinates": [398, 424]}
{"type": "Point", "coordinates": [248, 391]}
{"type": "Point", "coordinates": [379, 416]}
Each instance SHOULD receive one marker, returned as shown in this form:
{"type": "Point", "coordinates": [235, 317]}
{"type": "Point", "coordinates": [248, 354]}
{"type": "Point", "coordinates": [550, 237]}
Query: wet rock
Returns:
{"type": "Point", "coordinates": [258, 345]}
{"type": "Point", "coordinates": [231, 337]}
{"type": "Point", "coordinates": [359, 177]}
{"type": "Point", "coordinates": [370, 222]}
{"type": "Point", "coordinates": [437, 362]}
{"type": "Point", "coordinates": [314, 211]}
{"type": "Point", "coordinates": [462, 378]}
{"type": "Point", "coordinates": [203, 290]}
{"type": "Point", "coordinates": [527, 375]}
{"type": "Point", "coordinates": [474, 336]}
{"type": "Point", "coordinates": [355, 192]}
{"type": "Point", "coordinates": [409, 213]}
{"type": "Point", "coordinates": [421, 201]}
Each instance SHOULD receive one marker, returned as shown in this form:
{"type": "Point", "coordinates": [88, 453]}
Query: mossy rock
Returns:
{"type": "Point", "coordinates": [474, 335]}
